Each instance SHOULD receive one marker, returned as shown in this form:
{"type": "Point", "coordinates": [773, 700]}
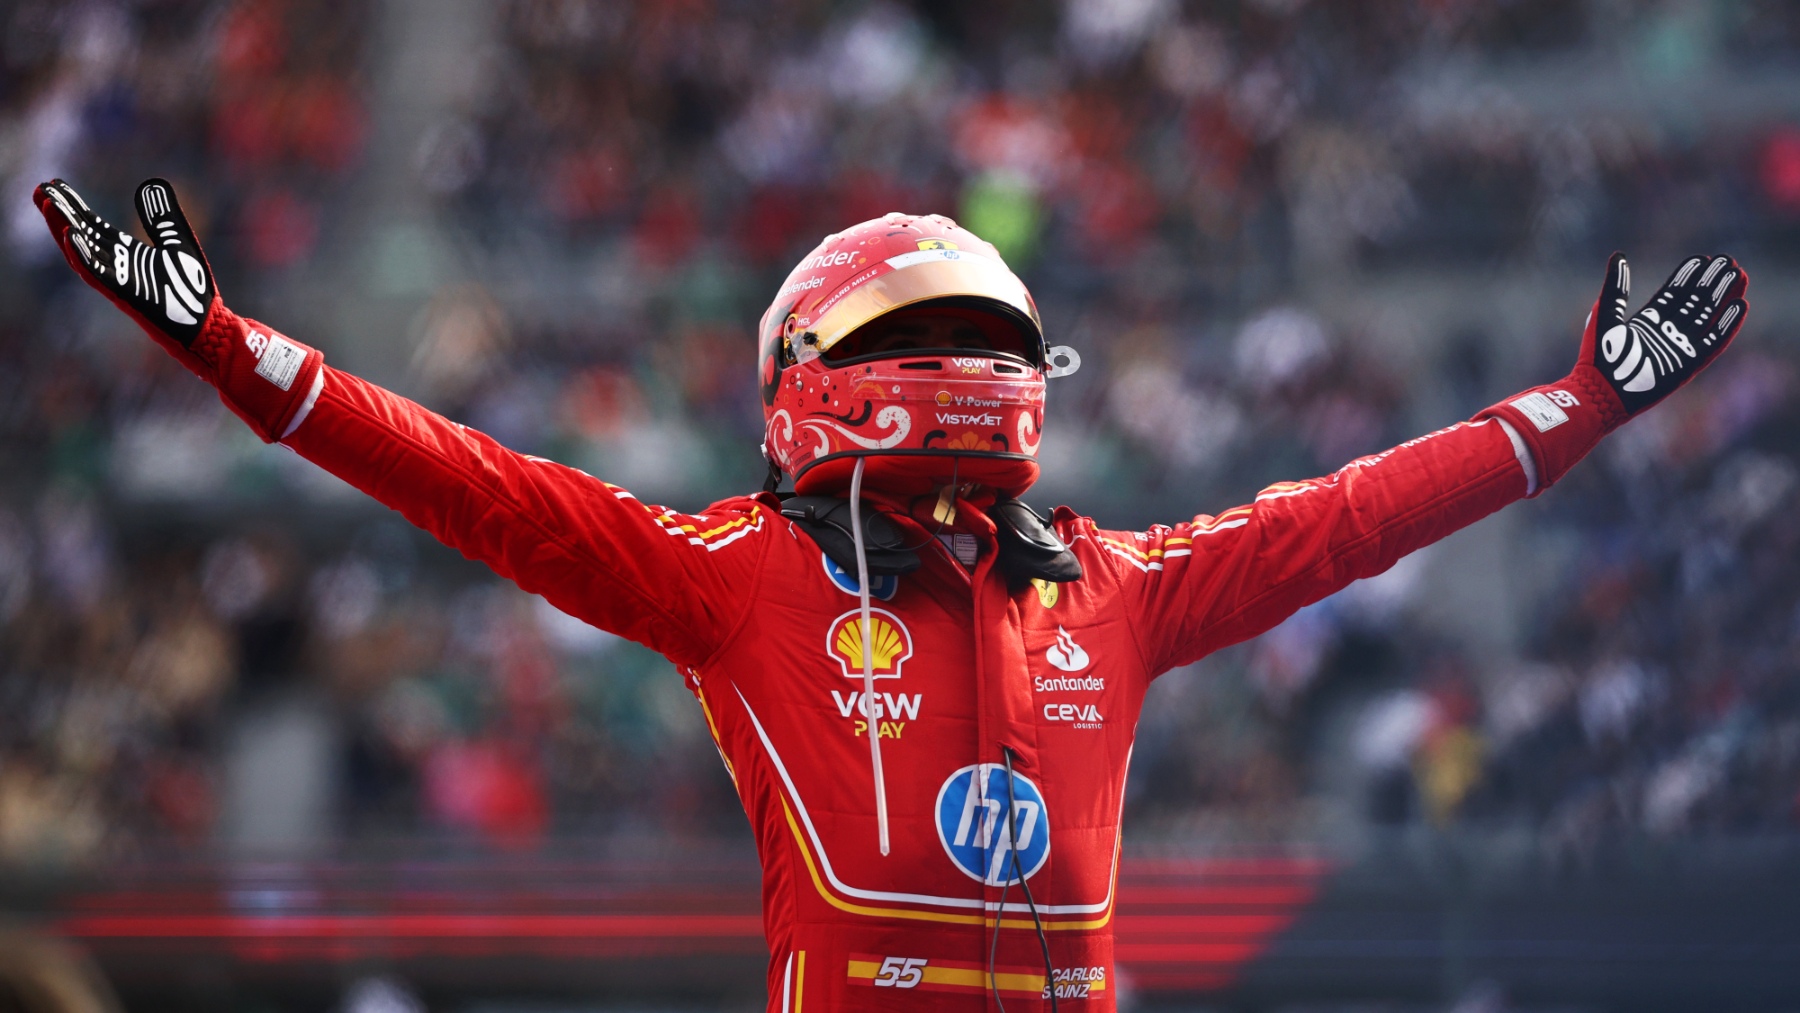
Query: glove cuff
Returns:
{"type": "Point", "coordinates": [265, 377]}
{"type": "Point", "coordinates": [1561, 422]}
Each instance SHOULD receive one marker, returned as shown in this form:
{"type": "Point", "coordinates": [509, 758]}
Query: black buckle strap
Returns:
{"type": "Point", "coordinates": [1029, 547]}
{"type": "Point", "coordinates": [826, 520]}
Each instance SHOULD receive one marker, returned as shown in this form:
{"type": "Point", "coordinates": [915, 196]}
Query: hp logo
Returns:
{"type": "Point", "coordinates": [977, 835]}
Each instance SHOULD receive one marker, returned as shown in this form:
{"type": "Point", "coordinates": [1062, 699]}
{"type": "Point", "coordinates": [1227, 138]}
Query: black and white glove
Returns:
{"type": "Point", "coordinates": [1648, 354]}
{"type": "Point", "coordinates": [1628, 361]}
{"type": "Point", "coordinates": [167, 287]}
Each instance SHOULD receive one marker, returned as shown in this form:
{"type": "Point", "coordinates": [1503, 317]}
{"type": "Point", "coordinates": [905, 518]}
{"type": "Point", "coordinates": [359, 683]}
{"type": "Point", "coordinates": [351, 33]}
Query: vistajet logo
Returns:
{"type": "Point", "coordinates": [949, 419]}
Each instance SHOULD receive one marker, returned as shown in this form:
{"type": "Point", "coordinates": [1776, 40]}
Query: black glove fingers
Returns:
{"type": "Point", "coordinates": [87, 230]}
{"type": "Point", "coordinates": [56, 191]}
{"type": "Point", "coordinates": [1724, 324]}
{"type": "Point", "coordinates": [165, 282]}
{"type": "Point", "coordinates": [138, 263]}
{"type": "Point", "coordinates": [64, 185]}
{"type": "Point", "coordinates": [86, 252]}
{"type": "Point", "coordinates": [1684, 274]}
{"type": "Point", "coordinates": [162, 217]}
{"type": "Point", "coordinates": [1615, 295]}
{"type": "Point", "coordinates": [186, 287]}
{"type": "Point", "coordinates": [1716, 269]}
{"type": "Point", "coordinates": [1721, 284]}
{"type": "Point", "coordinates": [1611, 309]}
{"type": "Point", "coordinates": [106, 250]}
{"type": "Point", "coordinates": [1722, 287]}
{"type": "Point", "coordinates": [1730, 319]}
{"type": "Point", "coordinates": [1677, 333]}
{"type": "Point", "coordinates": [1730, 284]}
{"type": "Point", "coordinates": [69, 205]}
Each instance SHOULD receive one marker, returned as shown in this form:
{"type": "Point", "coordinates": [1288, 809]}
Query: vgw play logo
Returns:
{"type": "Point", "coordinates": [978, 836]}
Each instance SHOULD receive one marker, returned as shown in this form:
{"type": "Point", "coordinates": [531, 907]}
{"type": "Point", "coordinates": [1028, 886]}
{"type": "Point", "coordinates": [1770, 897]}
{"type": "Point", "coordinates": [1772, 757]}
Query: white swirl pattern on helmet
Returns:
{"type": "Point", "coordinates": [892, 416]}
{"type": "Point", "coordinates": [1028, 435]}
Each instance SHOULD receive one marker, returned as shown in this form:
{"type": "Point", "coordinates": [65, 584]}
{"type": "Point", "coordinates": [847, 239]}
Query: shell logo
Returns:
{"type": "Point", "coordinates": [892, 643]}
{"type": "Point", "coordinates": [943, 398]}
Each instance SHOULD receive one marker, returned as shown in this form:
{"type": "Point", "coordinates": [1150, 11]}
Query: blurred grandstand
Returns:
{"type": "Point", "coordinates": [1303, 231]}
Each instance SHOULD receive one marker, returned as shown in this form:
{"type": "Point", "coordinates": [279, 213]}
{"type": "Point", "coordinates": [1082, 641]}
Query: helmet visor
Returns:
{"type": "Point", "coordinates": [956, 282]}
{"type": "Point", "coordinates": [958, 326]}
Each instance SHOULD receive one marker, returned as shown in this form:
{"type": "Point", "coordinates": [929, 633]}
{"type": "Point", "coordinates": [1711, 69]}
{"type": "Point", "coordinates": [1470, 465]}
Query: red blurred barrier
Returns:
{"type": "Point", "coordinates": [1187, 925]}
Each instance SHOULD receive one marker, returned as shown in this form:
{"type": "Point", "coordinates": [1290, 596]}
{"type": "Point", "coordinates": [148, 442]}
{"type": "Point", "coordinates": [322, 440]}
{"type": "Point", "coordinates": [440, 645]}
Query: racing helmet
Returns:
{"type": "Point", "coordinates": [907, 341]}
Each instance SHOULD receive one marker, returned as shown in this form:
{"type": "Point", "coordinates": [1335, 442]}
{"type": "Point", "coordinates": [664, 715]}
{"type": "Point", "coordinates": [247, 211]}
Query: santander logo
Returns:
{"type": "Point", "coordinates": [1066, 654]}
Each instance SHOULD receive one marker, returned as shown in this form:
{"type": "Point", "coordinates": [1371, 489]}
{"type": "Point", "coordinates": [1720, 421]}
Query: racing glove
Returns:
{"type": "Point", "coordinates": [1627, 362]}
{"type": "Point", "coordinates": [268, 379]}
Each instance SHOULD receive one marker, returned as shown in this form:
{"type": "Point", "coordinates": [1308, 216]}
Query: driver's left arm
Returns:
{"type": "Point", "coordinates": [1213, 581]}
{"type": "Point", "coordinates": [1216, 580]}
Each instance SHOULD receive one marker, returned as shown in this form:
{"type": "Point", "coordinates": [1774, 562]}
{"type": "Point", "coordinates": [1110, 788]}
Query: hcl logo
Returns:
{"type": "Point", "coordinates": [975, 831]}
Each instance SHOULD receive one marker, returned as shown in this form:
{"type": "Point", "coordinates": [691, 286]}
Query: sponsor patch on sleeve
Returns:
{"type": "Point", "coordinates": [1543, 412]}
{"type": "Point", "coordinates": [280, 362]}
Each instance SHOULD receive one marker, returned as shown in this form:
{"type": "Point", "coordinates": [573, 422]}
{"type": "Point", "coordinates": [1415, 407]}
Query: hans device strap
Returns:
{"type": "Point", "coordinates": [826, 519]}
{"type": "Point", "coordinates": [1028, 547]}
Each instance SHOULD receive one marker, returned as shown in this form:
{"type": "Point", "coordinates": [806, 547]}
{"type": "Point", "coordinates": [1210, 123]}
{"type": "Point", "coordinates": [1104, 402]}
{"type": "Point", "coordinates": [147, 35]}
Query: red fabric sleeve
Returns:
{"type": "Point", "coordinates": [1214, 581]}
{"type": "Point", "coordinates": [677, 583]}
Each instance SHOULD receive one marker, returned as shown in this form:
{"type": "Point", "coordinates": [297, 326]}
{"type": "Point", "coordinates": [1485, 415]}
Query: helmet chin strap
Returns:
{"type": "Point", "coordinates": [868, 651]}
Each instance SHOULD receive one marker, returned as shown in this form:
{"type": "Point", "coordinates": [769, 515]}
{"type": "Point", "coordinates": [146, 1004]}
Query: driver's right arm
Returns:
{"type": "Point", "coordinates": [676, 583]}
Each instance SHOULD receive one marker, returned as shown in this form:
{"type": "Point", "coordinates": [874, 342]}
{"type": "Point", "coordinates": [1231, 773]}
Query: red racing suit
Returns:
{"type": "Point", "coordinates": [763, 626]}
{"type": "Point", "coordinates": [969, 672]}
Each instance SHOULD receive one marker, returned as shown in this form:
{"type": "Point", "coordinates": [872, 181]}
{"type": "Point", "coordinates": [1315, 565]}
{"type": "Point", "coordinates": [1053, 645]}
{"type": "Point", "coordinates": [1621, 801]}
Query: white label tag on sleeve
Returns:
{"type": "Point", "coordinates": [281, 361]}
{"type": "Point", "coordinates": [1543, 412]}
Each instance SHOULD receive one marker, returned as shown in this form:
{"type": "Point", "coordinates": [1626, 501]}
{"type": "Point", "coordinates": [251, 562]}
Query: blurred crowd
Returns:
{"type": "Point", "coordinates": [1254, 219]}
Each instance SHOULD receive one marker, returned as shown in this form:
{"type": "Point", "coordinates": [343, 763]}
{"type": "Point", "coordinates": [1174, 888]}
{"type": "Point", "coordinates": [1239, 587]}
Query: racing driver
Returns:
{"type": "Point", "coordinates": [924, 691]}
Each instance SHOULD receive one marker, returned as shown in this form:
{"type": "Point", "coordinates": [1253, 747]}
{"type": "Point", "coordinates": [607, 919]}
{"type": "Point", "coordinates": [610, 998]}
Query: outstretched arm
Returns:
{"type": "Point", "coordinates": [674, 582]}
{"type": "Point", "coordinates": [1216, 580]}
{"type": "Point", "coordinates": [677, 583]}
